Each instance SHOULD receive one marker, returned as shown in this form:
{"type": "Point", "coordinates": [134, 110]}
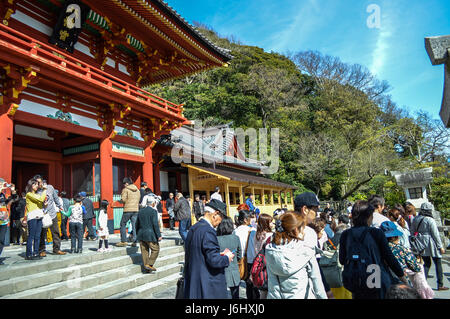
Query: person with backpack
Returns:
{"type": "Point", "coordinates": [227, 239]}
{"type": "Point", "coordinates": [257, 240]}
{"type": "Point", "coordinates": [76, 228]}
{"type": "Point", "coordinates": [365, 254]}
{"type": "Point", "coordinates": [425, 227]}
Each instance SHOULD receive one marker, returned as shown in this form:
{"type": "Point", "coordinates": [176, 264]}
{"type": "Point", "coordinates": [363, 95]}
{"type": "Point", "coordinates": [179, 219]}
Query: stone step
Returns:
{"type": "Point", "coordinates": [17, 285]}
{"type": "Point", "coordinates": [147, 290]}
{"type": "Point", "coordinates": [49, 263]}
{"type": "Point", "coordinates": [126, 283]}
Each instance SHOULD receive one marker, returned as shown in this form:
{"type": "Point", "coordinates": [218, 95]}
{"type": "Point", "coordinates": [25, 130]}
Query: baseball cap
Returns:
{"type": "Point", "coordinates": [306, 199]}
{"type": "Point", "coordinates": [82, 194]}
{"type": "Point", "coordinates": [390, 229]}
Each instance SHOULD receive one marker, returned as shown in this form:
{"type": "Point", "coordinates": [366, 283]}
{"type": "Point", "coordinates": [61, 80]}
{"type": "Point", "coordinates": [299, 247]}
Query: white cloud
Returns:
{"type": "Point", "coordinates": [383, 43]}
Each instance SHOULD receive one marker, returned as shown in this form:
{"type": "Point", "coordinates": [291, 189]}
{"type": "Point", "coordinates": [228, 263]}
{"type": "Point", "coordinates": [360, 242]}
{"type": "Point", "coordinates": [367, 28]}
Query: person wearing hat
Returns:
{"type": "Point", "coordinates": [148, 233]}
{"type": "Point", "coordinates": [406, 259]}
{"type": "Point", "coordinates": [88, 217]}
{"type": "Point", "coordinates": [204, 263]}
{"type": "Point", "coordinates": [426, 225]}
{"type": "Point", "coordinates": [307, 204]}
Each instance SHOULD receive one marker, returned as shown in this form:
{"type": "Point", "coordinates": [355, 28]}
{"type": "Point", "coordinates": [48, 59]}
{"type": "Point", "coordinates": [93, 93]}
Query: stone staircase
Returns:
{"type": "Point", "coordinates": [92, 275]}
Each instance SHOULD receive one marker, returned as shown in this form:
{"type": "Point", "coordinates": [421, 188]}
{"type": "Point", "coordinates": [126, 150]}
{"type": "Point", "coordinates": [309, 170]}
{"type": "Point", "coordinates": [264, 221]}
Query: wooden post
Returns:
{"type": "Point", "coordinates": [227, 198]}
{"type": "Point", "coordinates": [241, 194]}
{"type": "Point", "coordinates": [6, 146]}
{"type": "Point", "coordinates": [263, 200]}
{"type": "Point", "coordinates": [285, 197]}
{"type": "Point", "coordinates": [106, 174]}
{"type": "Point", "coordinates": [147, 168]}
{"type": "Point", "coordinates": [271, 197]}
{"type": "Point", "coordinates": [157, 179]}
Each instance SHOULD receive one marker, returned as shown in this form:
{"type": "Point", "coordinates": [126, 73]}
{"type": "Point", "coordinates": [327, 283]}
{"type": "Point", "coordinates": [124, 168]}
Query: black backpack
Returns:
{"type": "Point", "coordinates": [359, 257]}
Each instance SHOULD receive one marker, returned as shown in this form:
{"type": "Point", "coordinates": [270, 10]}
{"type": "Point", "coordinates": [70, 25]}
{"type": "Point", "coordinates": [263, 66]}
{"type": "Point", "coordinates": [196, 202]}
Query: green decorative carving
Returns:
{"type": "Point", "coordinates": [128, 133]}
{"type": "Point", "coordinates": [66, 117]}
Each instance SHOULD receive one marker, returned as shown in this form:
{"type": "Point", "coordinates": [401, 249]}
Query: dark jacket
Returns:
{"type": "Point", "coordinates": [147, 227]}
{"type": "Point", "coordinates": [204, 266]}
{"type": "Point", "coordinates": [231, 242]}
{"type": "Point", "coordinates": [199, 209]}
{"type": "Point", "coordinates": [142, 192]}
{"type": "Point", "coordinates": [170, 203]}
{"type": "Point", "coordinates": [381, 253]}
{"type": "Point", "coordinates": [18, 208]}
{"type": "Point", "coordinates": [182, 209]}
{"type": "Point", "coordinates": [89, 206]}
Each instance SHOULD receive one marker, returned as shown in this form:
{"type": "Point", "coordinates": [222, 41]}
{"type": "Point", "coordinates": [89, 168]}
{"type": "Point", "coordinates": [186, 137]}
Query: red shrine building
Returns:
{"type": "Point", "coordinates": [72, 104]}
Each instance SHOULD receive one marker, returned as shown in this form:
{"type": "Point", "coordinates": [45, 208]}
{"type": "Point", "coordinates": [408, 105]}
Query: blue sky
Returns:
{"type": "Point", "coordinates": [394, 52]}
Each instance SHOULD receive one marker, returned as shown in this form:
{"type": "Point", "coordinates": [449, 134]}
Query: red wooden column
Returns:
{"type": "Point", "coordinates": [147, 168]}
{"type": "Point", "coordinates": [157, 181]}
{"type": "Point", "coordinates": [6, 146]}
{"type": "Point", "coordinates": [106, 174]}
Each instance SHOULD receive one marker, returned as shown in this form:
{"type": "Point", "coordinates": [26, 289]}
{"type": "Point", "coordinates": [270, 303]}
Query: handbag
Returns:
{"type": "Point", "coordinates": [180, 289]}
{"type": "Point", "coordinates": [47, 221]}
{"type": "Point", "coordinates": [243, 270]}
{"type": "Point", "coordinates": [331, 268]}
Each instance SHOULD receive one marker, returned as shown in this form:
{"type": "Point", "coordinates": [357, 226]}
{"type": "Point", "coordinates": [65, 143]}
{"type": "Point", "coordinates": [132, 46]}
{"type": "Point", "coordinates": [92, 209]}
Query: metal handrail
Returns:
{"type": "Point", "coordinates": [23, 42]}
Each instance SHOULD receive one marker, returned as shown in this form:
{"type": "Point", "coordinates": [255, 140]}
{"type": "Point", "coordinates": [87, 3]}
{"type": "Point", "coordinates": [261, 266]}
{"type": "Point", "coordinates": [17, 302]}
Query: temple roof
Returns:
{"type": "Point", "coordinates": [167, 46]}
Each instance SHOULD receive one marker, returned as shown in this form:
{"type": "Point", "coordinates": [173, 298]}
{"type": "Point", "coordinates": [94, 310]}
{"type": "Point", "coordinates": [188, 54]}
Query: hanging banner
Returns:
{"type": "Point", "coordinates": [71, 18]}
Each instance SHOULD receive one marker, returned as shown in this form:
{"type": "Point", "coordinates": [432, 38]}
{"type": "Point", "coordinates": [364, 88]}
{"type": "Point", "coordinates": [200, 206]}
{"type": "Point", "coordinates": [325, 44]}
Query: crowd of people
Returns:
{"type": "Point", "coordinates": [367, 252]}
{"type": "Point", "coordinates": [39, 216]}
{"type": "Point", "coordinates": [42, 215]}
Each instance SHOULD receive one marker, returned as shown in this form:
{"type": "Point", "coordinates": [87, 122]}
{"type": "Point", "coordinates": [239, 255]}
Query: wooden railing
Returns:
{"type": "Point", "coordinates": [24, 44]}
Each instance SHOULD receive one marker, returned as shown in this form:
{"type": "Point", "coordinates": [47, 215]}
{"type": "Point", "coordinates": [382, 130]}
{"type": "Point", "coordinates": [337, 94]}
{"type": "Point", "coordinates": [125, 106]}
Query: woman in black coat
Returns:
{"type": "Point", "coordinates": [227, 239]}
{"type": "Point", "coordinates": [374, 241]}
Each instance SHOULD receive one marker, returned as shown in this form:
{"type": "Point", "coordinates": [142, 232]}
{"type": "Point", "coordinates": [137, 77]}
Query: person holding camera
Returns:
{"type": "Point", "coordinates": [33, 217]}
{"type": "Point", "coordinates": [4, 215]}
{"type": "Point", "coordinates": [52, 208]}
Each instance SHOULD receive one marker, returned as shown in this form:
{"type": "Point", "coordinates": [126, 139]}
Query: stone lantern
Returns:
{"type": "Point", "coordinates": [414, 184]}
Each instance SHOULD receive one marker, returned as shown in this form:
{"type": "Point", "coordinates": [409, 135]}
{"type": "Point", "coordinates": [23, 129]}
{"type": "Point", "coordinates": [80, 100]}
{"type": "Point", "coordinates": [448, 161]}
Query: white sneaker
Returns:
{"type": "Point", "coordinates": [108, 249]}
{"type": "Point", "coordinates": [100, 250]}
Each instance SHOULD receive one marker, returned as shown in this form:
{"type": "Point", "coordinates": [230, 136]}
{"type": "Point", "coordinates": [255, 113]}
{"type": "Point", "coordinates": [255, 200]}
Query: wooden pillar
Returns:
{"type": "Point", "coordinates": [280, 202]}
{"type": "Point", "coordinates": [263, 200]}
{"type": "Point", "coordinates": [241, 194]}
{"type": "Point", "coordinates": [285, 196]}
{"type": "Point", "coordinates": [271, 197]}
{"type": "Point", "coordinates": [106, 175]}
{"type": "Point", "coordinates": [157, 180]}
{"type": "Point", "coordinates": [147, 168]}
{"type": "Point", "coordinates": [227, 198]}
{"type": "Point", "coordinates": [6, 146]}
